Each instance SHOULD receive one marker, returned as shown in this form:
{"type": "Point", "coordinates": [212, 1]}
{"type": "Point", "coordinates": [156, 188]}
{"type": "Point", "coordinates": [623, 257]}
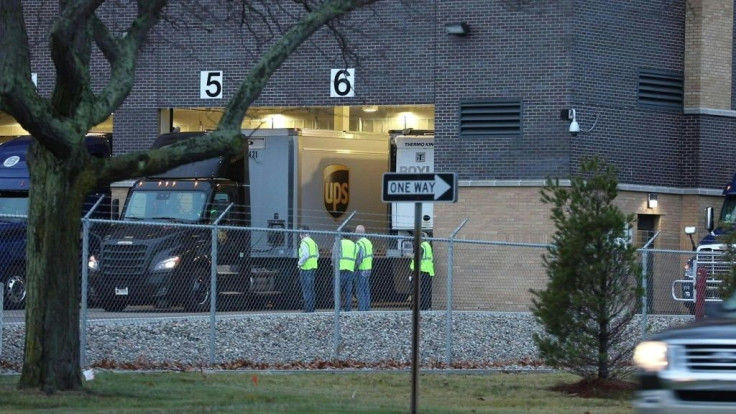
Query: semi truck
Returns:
{"type": "Point", "coordinates": [298, 178]}
{"type": "Point", "coordinates": [710, 259]}
{"type": "Point", "coordinates": [14, 187]}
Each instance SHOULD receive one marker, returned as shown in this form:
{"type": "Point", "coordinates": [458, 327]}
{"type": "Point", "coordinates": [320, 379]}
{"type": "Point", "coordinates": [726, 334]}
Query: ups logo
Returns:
{"type": "Point", "coordinates": [336, 180]}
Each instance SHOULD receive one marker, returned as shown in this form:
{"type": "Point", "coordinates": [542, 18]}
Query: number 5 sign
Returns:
{"type": "Point", "coordinates": [210, 84]}
{"type": "Point", "coordinates": [341, 83]}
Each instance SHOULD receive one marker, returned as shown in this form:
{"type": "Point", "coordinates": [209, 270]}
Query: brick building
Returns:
{"type": "Point", "coordinates": [651, 83]}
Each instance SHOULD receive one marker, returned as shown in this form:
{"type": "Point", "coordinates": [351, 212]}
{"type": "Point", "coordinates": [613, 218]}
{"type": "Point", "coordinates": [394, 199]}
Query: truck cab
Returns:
{"type": "Point", "coordinates": [168, 262]}
{"type": "Point", "coordinates": [14, 187]}
{"type": "Point", "coordinates": [710, 253]}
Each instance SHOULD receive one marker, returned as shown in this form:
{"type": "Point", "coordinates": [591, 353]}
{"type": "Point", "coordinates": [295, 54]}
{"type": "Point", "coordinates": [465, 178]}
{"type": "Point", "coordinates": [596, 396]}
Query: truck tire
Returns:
{"type": "Point", "coordinates": [15, 288]}
{"type": "Point", "coordinates": [197, 296]}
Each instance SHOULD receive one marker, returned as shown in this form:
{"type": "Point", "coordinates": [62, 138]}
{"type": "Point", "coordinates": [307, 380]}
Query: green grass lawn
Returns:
{"type": "Point", "coordinates": [309, 392]}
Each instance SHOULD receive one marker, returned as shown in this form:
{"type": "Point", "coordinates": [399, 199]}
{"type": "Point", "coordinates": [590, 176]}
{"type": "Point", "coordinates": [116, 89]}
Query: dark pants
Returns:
{"type": "Point", "coordinates": [425, 294]}
{"type": "Point", "coordinates": [306, 278]}
{"type": "Point", "coordinates": [346, 286]}
{"type": "Point", "coordinates": [363, 289]}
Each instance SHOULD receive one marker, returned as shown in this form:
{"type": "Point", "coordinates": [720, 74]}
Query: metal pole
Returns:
{"type": "Point", "coordinates": [85, 278]}
{"type": "Point", "coordinates": [213, 294]}
{"type": "Point", "coordinates": [415, 308]}
{"type": "Point", "coordinates": [336, 292]}
{"type": "Point", "coordinates": [644, 284]}
{"type": "Point", "coordinates": [213, 283]}
{"type": "Point", "coordinates": [450, 262]}
{"type": "Point", "coordinates": [337, 253]}
{"type": "Point", "coordinates": [644, 261]}
{"type": "Point", "coordinates": [85, 284]}
{"type": "Point", "coordinates": [2, 306]}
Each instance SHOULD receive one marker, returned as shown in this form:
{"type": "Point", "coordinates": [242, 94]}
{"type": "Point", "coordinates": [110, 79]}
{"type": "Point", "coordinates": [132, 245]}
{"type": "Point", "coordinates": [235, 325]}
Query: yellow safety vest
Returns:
{"type": "Point", "coordinates": [311, 262]}
{"type": "Point", "coordinates": [348, 253]}
{"type": "Point", "coordinates": [367, 260]}
{"type": "Point", "coordinates": [427, 264]}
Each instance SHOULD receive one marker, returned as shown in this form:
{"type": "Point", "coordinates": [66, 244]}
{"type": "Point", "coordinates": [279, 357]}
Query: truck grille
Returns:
{"type": "Point", "coordinates": [711, 357]}
{"type": "Point", "coordinates": [124, 260]}
{"type": "Point", "coordinates": [713, 261]}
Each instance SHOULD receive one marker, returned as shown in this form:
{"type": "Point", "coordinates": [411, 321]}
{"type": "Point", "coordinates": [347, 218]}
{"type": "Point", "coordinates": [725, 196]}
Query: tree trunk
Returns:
{"type": "Point", "coordinates": [52, 359]}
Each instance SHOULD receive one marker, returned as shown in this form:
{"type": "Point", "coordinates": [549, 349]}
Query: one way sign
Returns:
{"type": "Point", "coordinates": [439, 187]}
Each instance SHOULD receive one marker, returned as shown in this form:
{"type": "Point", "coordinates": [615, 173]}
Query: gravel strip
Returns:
{"type": "Point", "coordinates": [287, 340]}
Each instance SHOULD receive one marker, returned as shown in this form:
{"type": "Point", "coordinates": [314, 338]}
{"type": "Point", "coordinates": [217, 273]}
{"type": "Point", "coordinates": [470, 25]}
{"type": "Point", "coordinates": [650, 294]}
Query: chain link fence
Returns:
{"type": "Point", "coordinates": [209, 275]}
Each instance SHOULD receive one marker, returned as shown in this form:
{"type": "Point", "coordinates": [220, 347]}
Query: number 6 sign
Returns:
{"type": "Point", "coordinates": [210, 84]}
{"type": "Point", "coordinates": [341, 83]}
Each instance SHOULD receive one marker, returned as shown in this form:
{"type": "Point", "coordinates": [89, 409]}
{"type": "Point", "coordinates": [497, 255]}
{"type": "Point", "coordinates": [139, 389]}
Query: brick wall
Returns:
{"type": "Point", "coordinates": [708, 56]}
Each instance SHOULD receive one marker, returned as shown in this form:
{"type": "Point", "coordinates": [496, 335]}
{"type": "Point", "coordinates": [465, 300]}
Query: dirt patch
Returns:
{"type": "Point", "coordinates": [597, 388]}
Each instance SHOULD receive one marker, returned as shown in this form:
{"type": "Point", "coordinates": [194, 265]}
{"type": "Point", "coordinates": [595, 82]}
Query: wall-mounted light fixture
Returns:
{"type": "Point", "coordinates": [652, 200]}
{"type": "Point", "coordinates": [370, 108]}
{"type": "Point", "coordinates": [457, 29]}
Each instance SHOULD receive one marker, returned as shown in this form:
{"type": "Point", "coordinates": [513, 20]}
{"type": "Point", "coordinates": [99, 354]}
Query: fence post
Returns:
{"type": "Point", "coordinates": [644, 302]}
{"type": "Point", "coordinates": [644, 284]}
{"type": "Point", "coordinates": [2, 306]}
{"type": "Point", "coordinates": [336, 254]}
{"type": "Point", "coordinates": [213, 283]}
{"type": "Point", "coordinates": [448, 319]}
{"type": "Point", "coordinates": [85, 284]}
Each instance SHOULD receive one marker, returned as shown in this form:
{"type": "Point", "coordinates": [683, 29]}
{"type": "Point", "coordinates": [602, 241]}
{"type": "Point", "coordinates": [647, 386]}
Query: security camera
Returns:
{"type": "Point", "coordinates": [574, 126]}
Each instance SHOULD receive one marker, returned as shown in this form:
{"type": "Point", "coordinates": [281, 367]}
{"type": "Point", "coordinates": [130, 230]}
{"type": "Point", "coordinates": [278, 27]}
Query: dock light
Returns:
{"type": "Point", "coordinates": [457, 29]}
{"type": "Point", "coordinates": [652, 200]}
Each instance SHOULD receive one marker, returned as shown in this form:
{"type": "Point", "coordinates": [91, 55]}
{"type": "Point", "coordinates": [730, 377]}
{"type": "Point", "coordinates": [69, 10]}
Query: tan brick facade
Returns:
{"type": "Point", "coordinates": [516, 215]}
{"type": "Point", "coordinates": [708, 54]}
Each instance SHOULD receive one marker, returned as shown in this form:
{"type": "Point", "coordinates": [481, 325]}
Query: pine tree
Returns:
{"type": "Point", "coordinates": [594, 277]}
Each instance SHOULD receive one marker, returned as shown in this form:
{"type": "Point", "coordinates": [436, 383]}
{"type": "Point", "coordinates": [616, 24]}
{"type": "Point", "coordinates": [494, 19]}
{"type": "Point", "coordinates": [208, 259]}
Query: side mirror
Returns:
{"type": "Point", "coordinates": [709, 220]}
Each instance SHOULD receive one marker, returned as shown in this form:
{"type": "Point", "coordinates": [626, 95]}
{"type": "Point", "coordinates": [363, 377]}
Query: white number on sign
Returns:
{"type": "Point", "coordinates": [210, 84]}
{"type": "Point", "coordinates": [341, 83]}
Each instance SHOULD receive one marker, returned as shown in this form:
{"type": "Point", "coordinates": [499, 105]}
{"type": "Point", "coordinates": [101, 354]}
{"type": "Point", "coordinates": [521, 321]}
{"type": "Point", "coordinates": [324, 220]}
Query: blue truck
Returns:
{"type": "Point", "coordinates": [14, 186]}
{"type": "Point", "coordinates": [709, 259]}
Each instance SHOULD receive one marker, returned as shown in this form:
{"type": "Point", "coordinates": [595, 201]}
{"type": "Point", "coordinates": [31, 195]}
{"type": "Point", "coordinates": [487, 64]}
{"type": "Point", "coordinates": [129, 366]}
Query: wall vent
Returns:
{"type": "Point", "coordinates": [660, 89]}
{"type": "Point", "coordinates": [490, 119]}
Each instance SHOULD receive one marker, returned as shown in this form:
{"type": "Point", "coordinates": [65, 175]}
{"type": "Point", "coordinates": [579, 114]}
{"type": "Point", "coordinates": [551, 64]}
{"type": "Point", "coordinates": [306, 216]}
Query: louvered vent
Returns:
{"type": "Point", "coordinates": [479, 119]}
{"type": "Point", "coordinates": [662, 89]}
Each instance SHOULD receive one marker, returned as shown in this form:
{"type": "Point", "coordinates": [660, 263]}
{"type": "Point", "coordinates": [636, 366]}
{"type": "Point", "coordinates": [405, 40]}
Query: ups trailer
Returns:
{"type": "Point", "coordinates": [297, 178]}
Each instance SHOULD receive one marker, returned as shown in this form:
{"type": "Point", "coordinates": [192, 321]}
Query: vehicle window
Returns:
{"type": "Point", "coordinates": [220, 203]}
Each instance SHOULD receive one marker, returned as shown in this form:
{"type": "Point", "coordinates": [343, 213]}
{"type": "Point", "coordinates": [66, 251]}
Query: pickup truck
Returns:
{"type": "Point", "coordinates": [691, 368]}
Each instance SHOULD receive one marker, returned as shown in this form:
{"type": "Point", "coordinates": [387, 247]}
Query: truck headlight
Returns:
{"type": "Point", "coordinates": [689, 271]}
{"type": "Point", "coordinates": [168, 263]}
{"type": "Point", "coordinates": [651, 356]}
{"type": "Point", "coordinates": [93, 264]}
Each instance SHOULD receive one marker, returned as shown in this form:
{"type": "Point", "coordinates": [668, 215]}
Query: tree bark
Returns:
{"type": "Point", "coordinates": [52, 352]}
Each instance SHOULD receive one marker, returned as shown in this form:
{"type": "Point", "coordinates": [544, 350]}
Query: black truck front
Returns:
{"type": "Point", "coordinates": [152, 265]}
{"type": "Point", "coordinates": [159, 252]}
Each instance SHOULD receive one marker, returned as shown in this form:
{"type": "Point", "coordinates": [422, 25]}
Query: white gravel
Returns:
{"type": "Point", "coordinates": [488, 339]}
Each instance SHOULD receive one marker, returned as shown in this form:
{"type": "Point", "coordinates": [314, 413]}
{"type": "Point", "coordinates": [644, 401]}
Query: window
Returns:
{"type": "Point", "coordinates": [490, 118]}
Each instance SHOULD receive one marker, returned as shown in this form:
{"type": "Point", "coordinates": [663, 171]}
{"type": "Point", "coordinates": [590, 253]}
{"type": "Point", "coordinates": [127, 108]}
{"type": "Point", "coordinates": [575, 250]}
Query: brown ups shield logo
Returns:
{"type": "Point", "coordinates": [335, 180]}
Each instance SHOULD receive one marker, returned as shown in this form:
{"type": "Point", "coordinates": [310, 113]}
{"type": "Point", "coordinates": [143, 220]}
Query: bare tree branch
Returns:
{"type": "Point", "coordinates": [227, 136]}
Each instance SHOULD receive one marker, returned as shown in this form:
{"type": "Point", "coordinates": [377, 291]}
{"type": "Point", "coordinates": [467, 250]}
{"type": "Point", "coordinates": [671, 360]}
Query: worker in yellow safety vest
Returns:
{"type": "Point", "coordinates": [426, 273]}
{"type": "Point", "coordinates": [307, 264]}
{"type": "Point", "coordinates": [364, 265]}
{"type": "Point", "coordinates": [344, 255]}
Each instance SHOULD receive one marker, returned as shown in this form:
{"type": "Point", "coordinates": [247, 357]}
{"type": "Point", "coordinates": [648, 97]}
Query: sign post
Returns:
{"type": "Point", "coordinates": [438, 187]}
